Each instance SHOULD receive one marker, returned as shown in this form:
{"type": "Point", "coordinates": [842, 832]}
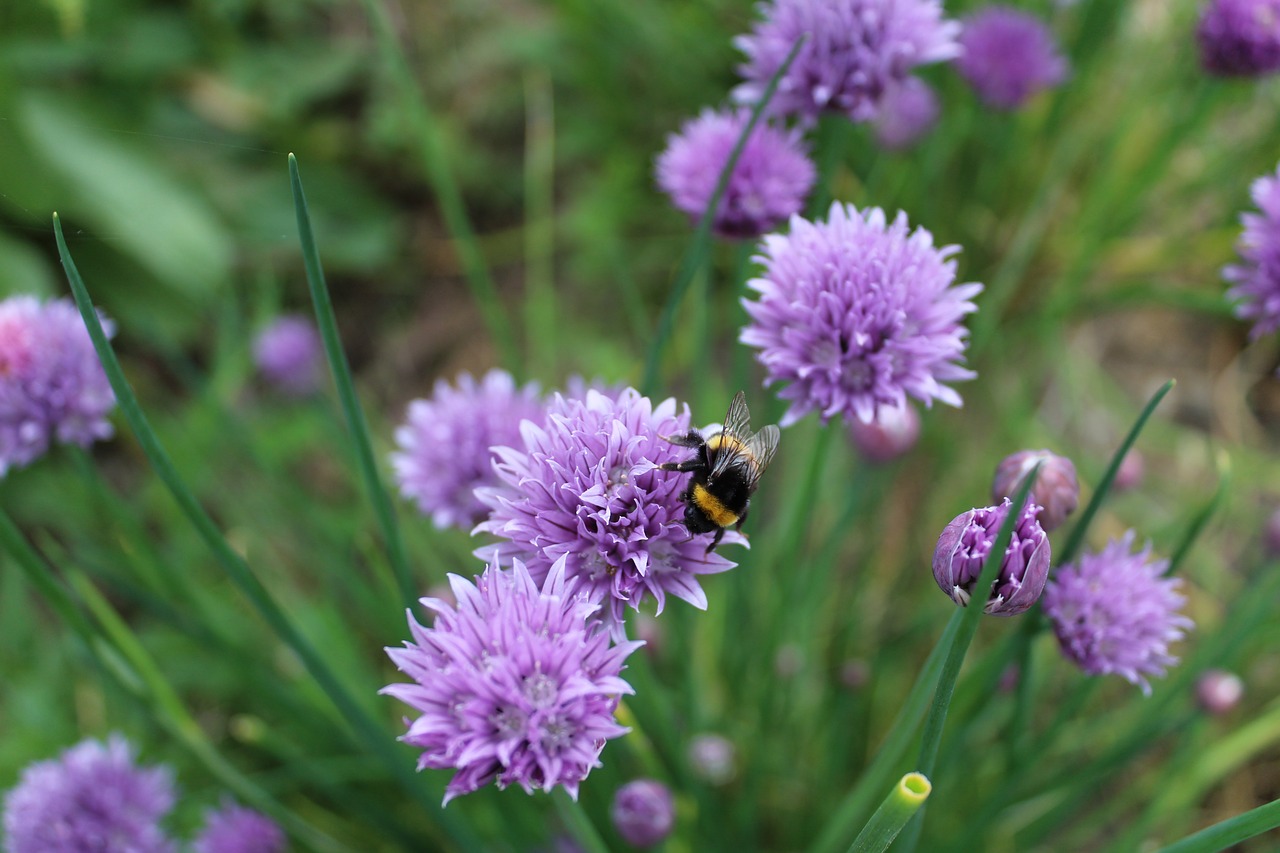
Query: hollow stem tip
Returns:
{"type": "Point", "coordinates": [903, 801]}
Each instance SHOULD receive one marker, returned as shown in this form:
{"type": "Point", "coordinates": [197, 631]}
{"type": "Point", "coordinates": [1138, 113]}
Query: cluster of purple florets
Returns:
{"type": "Point", "coordinates": [95, 797]}
{"type": "Point", "coordinates": [52, 386]}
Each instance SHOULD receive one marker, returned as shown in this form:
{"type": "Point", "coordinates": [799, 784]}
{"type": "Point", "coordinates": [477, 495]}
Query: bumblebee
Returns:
{"type": "Point", "coordinates": [726, 470]}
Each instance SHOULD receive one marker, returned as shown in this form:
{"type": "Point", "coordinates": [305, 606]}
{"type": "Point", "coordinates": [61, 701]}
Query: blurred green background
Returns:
{"type": "Point", "coordinates": [1098, 218]}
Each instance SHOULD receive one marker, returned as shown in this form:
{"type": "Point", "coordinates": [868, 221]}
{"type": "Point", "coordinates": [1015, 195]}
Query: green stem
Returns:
{"type": "Point", "coordinates": [576, 820]}
{"type": "Point", "coordinates": [235, 567]}
{"type": "Point", "coordinates": [902, 803]}
{"type": "Point", "coordinates": [341, 370]}
{"type": "Point", "coordinates": [699, 248]}
{"type": "Point", "coordinates": [539, 222]}
{"type": "Point", "coordinates": [853, 808]}
{"type": "Point", "coordinates": [1201, 519]}
{"type": "Point", "coordinates": [431, 149]}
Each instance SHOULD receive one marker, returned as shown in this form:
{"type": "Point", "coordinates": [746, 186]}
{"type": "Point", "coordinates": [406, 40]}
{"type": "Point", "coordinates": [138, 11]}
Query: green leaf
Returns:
{"type": "Point", "coordinates": [128, 198]}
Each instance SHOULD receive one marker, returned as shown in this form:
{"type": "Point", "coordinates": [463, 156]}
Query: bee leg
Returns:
{"type": "Point", "coordinates": [716, 541]}
{"type": "Point", "coordinates": [687, 465]}
{"type": "Point", "coordinates": [690, 439]}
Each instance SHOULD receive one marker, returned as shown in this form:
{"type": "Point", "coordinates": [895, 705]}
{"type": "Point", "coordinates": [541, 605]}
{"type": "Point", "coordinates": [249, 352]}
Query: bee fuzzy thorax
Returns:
{"type": "Point", "coordinates": [712, 506]}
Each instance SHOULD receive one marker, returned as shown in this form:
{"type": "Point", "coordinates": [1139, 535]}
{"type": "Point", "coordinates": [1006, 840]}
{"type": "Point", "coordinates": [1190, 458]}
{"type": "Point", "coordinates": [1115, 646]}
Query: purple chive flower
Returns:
{"type": "Point", "coordinates": [908, 111]}
{"type": "Point", "coordinates": [90, 798]}
{"type": "Point", "coordinates": [518, 684]}
{"type": "Point", "coordinates": [1219, 691]}
{"type": "Point", "coordinates": [289, 355]}
{"type": "Point", "coordinates": [963, 548]}
{"type": "Point", "coordinates": [891, 433]}
{"type": "Point", "coordinates": [1115, 612]}
{"type": "Point", "coordinates": [585, 486]}
{"type": "Point", "coordinates": [1056, 488]}
{"type": "Point", "coordinates": [235, 829]}
{"type": "Point", "coordinates": [856, 313]}
{"type": "Point", "coordinates": [643, 812]}
{"type": "Point", "coordinates": [854, 51]}
{"type": "Point", "coordinates": [52, 386]}
{"type": "Point", "coordinates": [1256, 279]}
{"type": "Point", "coordinates": [1008, 56]}
{"type": "Point", "coordinates": [769, 182]}
{"type": "Point", "coordinates": [1240, 38]}
{"type": "Point", "coordinates": [445, 444]}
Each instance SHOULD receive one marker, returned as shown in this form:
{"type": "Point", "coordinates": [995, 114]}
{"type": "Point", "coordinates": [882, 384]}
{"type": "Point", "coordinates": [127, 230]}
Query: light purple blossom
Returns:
{"type": "Point", "coordinates": [52, 386]}
{"type": "Point", "coordinates": [445, 444]}
{"type": "Point", "coordinates": [1240, 38]}
{"type": "Point", "coordinates": [235, 829]}
{"type": "Point", "coordinates": [963, 548]}
{"type": "Point", "coordinates": [90, 798]}
{"type": "Point", "coordinates": [1114, 612]}
{"type": "Point", "coordinates": [289, 355]}
{"type": "Point", "coordinates": [585, 486]}
{"type": "Point", "coordinates": [1256, 279]}
{"type": "Point", "coordinates": [1056, 488]}
{"type": "Point", "coordinates": [769, 183]}
{"type": "Point", "coordinates": [854, 51]}
{"type": "Point", "coordinates": [519, 684]}
{"type": "Point", "coordinates": [856, 313]}
{"type": "Point", "coordinates": [1008, 56]}
{"type": "Point", "coordinates": [713, 758]}
{"type": "Point", "coordinates": [643, 812]}
{"type": "Point", "coordinates": [908, 111]}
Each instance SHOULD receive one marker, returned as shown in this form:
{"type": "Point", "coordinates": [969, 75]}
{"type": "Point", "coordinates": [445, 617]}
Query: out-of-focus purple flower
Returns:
{"type": "Point", "coordinates": [1130, 473]}
{"type": "Point", "coordinates": [1240, 38]}
{"type": "Point", "coordinates": [892, 432]}
{"type": "Point", "coordinates": [289, 355]}
{"type": "Point", "coordinates": [1256, 279]}
{"type": "Point", "coordinates": [235, 829]}
{"type": "Point", "coordinates": [585, 486]}
{"type": "Point", "coordinates": [90, 798]}
{"type": "Point", "coordinates": [963, 548]}
{"type": "Point", "coordinates": [857, 313]}
{"type": "Point", "coordinates": [1271, 535]}
{"type": "Point", "coordinates": [519, 684]}
{"type": "Point", "coordinates": [1056, 488]}
{"type": "Point", "coordinates": [854, 51]}
{"type": "Point", "coordinates": [908, 111]}
{"type": "Point", "coordinates": [855, 673]}
{"type": "Point", "coordinates": [1219, 691]}
{"type": "Point", "coordinates": [1008, 55]}
{"type": "Point", "coordinates": [446, 444]}
{"type": "Point", "coordinates": [713, 758]}
{"type": "Point", "coordinates": [643, 812]}
{"type": "Point", "coordinates": [769, 182]}
{"type": "Point", "coordinates": [52, 386]}
{"type": "Point", "coordinates": [1114, 612]}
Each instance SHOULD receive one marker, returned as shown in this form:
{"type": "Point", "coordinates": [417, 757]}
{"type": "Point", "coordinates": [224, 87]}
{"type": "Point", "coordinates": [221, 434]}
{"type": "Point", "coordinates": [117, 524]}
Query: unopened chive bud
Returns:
{"type": "Point", "coordinates": [965, 544]}
{"type": "Point", "coordinates": [643, 812]}
{"type": "Point", "coordinates": [1056, 488]}
{"type": "Point", "coordinates": [1218, 691]}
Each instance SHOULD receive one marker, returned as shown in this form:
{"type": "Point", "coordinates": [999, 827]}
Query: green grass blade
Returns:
{"type": "Point", "coordinates": [1231, 831]}
{"type": "Point", "coordinates": [453, 208]}
{"type": "Point", "coordinates": [1204, 515]}
{"type": "Point", "coordinates": [701, 245]}
{"type": "Point", "coordinates": [356, 421]}
{"type": "Point", "coordinates": [373, 736]}
{"type": "Point", "coordinates": [1078, 532]}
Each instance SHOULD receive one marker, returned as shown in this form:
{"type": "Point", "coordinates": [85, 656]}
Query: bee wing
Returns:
{"type": "Point", "coordinates": [763, 445]}
{"type": "Point", "coordinates": [737, 421]}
